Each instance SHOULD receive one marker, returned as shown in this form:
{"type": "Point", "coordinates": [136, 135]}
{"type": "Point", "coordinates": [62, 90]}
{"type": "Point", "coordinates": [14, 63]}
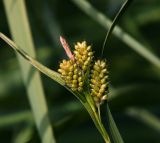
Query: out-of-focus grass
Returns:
{"type": "Point", "coordinates": [126, 38]}
{"type": "Point", "coordinates": [20, 31]}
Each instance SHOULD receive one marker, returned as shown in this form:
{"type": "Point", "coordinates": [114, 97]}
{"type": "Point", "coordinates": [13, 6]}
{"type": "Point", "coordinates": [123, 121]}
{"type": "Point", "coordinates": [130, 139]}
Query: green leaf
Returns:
{"type": "Point", "coordinates": [18, 22]}
{"type": "Point", "coordinates": [115, 21]}
{"type": "Point", "coordinates": [50, 73]}
{"type": "Point", "coordinates": [145, 117]}
{"type": "Point", "coordinates": [24, 134]}
{"type": "Point", "coordinates": [116, 136]}
{"type": "Point", "coordinates": [15, 118]}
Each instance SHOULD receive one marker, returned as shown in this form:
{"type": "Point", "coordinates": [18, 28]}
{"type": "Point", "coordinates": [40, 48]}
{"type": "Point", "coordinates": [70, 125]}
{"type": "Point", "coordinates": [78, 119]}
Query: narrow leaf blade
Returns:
{"type": "Point", "coordinates": [50, 73]}
{"type": "Point", "coordinates": [116, 136]}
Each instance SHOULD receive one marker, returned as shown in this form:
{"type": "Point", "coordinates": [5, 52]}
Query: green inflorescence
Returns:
{"type": "Point", "coordinates": [71, 74]}
{"type": "Point", "coordinates": [73, 71]}
{"type": "Point", "coordinates": [98, 82]}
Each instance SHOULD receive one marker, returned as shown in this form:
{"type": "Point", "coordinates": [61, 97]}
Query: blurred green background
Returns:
{"type": "Point", "coordinates": [135, 82]}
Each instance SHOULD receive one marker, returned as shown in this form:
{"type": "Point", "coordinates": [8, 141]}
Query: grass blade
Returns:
{"type": "Point", "coordinates": [118, 32]}
{"type": "Point", "coordinates": [145, 117]}
{"type": "Point", "coordinates": [20, 31]}
{"type": "Point", "coordinates": [50, 73]}
{"type": "Point", "coordinates": [116, 19]}
{"type": "Point", "coordinates": [113, 128]}
{"type": "Point", "coordinates": [15, 118]}
{"type": "Point", "coordinates": [24, 134]}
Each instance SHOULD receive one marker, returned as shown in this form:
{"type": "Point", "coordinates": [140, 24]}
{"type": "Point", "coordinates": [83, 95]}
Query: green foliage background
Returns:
{"type": "Point", "coordinates": [135, 82]}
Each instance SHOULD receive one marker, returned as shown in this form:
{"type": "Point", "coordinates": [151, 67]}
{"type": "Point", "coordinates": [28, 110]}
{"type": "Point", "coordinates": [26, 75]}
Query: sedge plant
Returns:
{"type": "Point", "coordinates": [80, 75]}
{"type": "Point", "coordinates": [84, 76]}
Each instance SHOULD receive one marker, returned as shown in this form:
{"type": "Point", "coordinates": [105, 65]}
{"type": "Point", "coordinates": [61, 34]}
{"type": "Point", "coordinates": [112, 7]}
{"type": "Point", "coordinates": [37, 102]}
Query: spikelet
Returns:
{"type": "Point", "coordinates": [98, 83]}
{"type": "Point", "coordinates": [73, 71]}
{"type": "Point", "coordinates": [72, 76]}
{"type": "Point", "coordinates": [83, 55]}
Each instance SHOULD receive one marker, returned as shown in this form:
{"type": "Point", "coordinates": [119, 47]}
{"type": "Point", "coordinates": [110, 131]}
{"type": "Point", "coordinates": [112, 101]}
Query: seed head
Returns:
{"type": "Point", "coordinates": [72, 76]}
{"type": "Point", "coordinates": [98, 82]}
{"type": "Point", "coordinates": [83, 55]}
{"type": "Point", "coordinates": [73, 71]}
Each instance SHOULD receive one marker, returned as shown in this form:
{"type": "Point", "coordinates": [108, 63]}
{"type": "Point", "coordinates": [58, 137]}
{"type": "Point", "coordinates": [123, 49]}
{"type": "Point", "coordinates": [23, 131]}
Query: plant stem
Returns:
{"type": "Point", "coordinates": [105, 134]}
{"type": "Point", "coordinates": [99, 125]}
{"type": "Point", "coordinates": [99, 112]}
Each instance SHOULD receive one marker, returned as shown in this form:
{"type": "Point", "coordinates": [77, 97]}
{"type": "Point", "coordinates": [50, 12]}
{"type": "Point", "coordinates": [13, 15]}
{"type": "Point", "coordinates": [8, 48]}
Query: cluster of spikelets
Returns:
{"type": "Point", "coordinates": [81, 69]}
{"type": "Point", "coordinates": [74, 69]}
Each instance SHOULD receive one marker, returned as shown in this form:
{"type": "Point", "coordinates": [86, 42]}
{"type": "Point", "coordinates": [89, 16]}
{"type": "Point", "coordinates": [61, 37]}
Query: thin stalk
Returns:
{"type": "Point", "coordinates": [115, 20]}
{"type": "Point", "coordinates": [96, 117]}
{"type": "Point", "coordinates": [20, 31]}
{"type": "Point", "coordinates": [106, 136]}
{"type": "Point", "coordinates": [89, 105]}
{"type": "Point", "coordinates": [90, 101]}
{"type": "Point", "coordinates": [99, 112]}
{"type": "Point", "coordinates": [97, 123]}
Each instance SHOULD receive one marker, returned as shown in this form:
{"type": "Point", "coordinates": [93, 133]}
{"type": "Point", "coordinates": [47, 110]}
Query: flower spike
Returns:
{"type": "Point", "coordinates": [99, 82]}
{"type": "Point", "coordinates": [81, 69]}
{"type": "Point", "coordinates": [83, 55]}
